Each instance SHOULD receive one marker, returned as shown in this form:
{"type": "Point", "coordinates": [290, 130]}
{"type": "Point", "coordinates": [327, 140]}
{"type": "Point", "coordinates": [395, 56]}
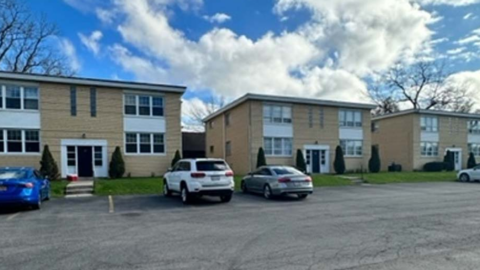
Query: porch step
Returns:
{"type": "Point", "coordinates": [78, 196]}
{"type": "Point", "coordinates": [79, 189]}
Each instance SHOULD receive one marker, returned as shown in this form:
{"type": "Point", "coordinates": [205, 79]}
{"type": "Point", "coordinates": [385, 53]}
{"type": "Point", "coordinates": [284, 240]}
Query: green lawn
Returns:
{"type": "Point", "coordinates": [129, 186]}
{"type": "Point", "coordinates": [408, 177]}
{"type": "Point", "coordinates": [57, 188]}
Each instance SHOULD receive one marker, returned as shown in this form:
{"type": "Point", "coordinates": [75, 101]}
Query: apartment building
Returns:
{"type": "Point", "coordinates": [281, 125]}
{"type": "Point", "coordinates": [84, 120]}
{"type": "Point", "coordinates": [415, 137]}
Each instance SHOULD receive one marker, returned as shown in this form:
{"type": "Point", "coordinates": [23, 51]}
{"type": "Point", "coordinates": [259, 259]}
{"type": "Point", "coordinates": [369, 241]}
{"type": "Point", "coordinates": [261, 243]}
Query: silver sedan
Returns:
{"type": "Point", "coordinates": [276, 181]}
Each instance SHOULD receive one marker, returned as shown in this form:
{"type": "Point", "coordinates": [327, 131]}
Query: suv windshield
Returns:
{"type": "Point", "coordinates": [9, 174]}
{"type": "Point", "coordinates": [286, 171]}
{"type": "Point", "coordinates": [203, 166]}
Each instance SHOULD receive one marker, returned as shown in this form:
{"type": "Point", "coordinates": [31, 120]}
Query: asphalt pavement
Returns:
{"type": "Point", "coordinates": [400, 226]}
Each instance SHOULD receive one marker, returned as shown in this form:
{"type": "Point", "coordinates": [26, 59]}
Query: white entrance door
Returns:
{"type": "Point", "coordinates": [457, 154]}
{"type": "Point", "coordinates": [317, 159]}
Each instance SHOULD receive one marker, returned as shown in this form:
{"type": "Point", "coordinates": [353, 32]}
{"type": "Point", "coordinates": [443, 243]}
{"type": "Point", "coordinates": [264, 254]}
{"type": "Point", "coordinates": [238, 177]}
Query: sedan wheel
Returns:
{"type": "Point", "coordinates": [464, 177]}
{"type": "Point", "coordinates": [267, 192]}
{"type": "Point", "coordinates": [244, 187]}
{"type": "Point", "coordinates": [38, 204]}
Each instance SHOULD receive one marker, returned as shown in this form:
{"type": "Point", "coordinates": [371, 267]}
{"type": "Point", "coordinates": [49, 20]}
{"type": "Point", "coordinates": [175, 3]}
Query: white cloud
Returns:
{"type": "Point", "coordinates": [68, 50]}
{"type": "Point", "coordinates": [456, 51]}
{"type": "Point", "coordinates": [469, 16]}
{"type": "Point", "coordinates": [470, 80]}
{"type": "Point", "coordinates": [105, 15]}
{"type": "Point", "coordinates": [218, 18]}
{"type": "Point", "coordinates": [476, 32]}
{"type": "Point", "coordinates": [470, 39]}
{"type": "Point", "coordinates": [455, 3]}
{"type": "Point", "coordinates": [92, 41]}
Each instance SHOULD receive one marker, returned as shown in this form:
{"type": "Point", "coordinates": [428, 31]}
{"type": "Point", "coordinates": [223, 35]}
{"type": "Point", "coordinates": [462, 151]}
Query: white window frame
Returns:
{"type": "Point", "coordinates": [137, 105]}
{"type": "Point", "coordinates": [3, 97]}
{"type": "Point", "coordinates": [429, 124]}
{"type": "Point", "coordinates": [139, 153]}
{"type": "Point", "coordinates": [283, 150]}
{"type": "Point", "coordinates": [473, 126]}
{"type": "Point", "coordinates": [284, 110]}
{"type": "Point", "coordinates": [343, 118]}
{"type": "Point", "coordinates": [425, 149]}
{"type": "Point", "coordinates": [346, 147]}
{"type": "Point", "coordinates": [23, 141]}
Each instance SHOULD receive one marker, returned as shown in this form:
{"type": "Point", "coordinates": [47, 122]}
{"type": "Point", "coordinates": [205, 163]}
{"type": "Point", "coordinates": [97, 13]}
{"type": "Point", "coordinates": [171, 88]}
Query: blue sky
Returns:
{"type": "Point", "coordinates": [312, 48]}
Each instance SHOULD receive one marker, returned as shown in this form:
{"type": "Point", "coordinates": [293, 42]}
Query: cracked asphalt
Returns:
{"type": "Point", "coordinates": [402, 226]}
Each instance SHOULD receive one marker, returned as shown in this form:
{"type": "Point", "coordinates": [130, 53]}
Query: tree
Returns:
{"type": "Point", "coordinates": [176, 158]}
{"type": "Point", "coordinates": [471, 161]}
{"type": "Point", "coordinates": [117, 164]}
{"type": "Point", "coordinates": [422, 85]}
{"type": "Point", "coordinates": [26, 42]}
{"type": "Point", "coordinates": [261, 160]}
{"type": "Point", "coordinates": [374, 164]}
{"type": "Point", "coordinates": [48, 166]}
{"type": "Point", "coordinates": [339, 163]}
{"type": "Point", "coordinates": [197, 110]}
{"type": "Point", "coordinates": [449, 160]}
{"type": "Point", "coordinates": [301, 164]}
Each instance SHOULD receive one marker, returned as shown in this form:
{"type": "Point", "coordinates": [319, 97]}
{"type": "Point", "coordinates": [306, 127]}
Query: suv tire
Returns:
{"type": "Point", "coordinates": [185, 194]}
{"type": "Point", "coordinates": [166, 191]}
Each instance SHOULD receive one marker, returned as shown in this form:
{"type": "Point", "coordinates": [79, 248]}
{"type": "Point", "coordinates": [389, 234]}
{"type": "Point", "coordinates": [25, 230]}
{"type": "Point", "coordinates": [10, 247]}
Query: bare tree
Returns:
{"type": "Point", "coordinates": [195, 112]}
{"type": "Point", "coordinates": [423, 85]}
{"type": "Point", "coordinates": [27, 42]}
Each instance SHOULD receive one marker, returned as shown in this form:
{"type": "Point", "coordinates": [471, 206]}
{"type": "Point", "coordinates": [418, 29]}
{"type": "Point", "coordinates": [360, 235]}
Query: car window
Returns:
{"type": "Point", "coordinates": [208, 166]}
{"type": "Point", "coordinates": [11, 174]}
{"type": "Point", "coordinates": [286, 171]}
{"type": "Point", "coordinates": [266, 172]}
{"type": "Point", "coordinates": [183, 167]}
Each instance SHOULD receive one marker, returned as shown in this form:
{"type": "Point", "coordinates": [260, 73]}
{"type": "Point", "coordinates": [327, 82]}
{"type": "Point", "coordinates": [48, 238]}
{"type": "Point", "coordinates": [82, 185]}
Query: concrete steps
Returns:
{"type": "Point", "coordinates": [79, 189]}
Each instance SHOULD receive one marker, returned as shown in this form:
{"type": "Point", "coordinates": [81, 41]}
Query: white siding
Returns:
{"type": "Point", "coordinates": [278, 130]}
{"type": "Point", "coordinates": [351, 134]}
{"type": "Point", "coordinates": [20, 119]}
{"type": "Point", "coordinates": [144, 124]}
{"type": "Point", "coordinates": [429, 137]}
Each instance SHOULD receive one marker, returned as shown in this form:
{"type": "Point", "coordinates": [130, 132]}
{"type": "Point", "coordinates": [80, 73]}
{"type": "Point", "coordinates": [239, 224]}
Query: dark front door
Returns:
{"type": "Point", "coordinates": [315, 161]}
{"type": "Point", "coordinates": [85, 161]}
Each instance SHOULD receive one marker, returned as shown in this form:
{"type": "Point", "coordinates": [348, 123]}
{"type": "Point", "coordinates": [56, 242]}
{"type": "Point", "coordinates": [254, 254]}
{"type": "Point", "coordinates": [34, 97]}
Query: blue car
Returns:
{"type": "Point", "coordinates": [23, 186]}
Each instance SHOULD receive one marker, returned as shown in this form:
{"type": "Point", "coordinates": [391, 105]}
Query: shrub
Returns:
{"type": "Point", "coordinates": [339, 163]}
{"type": "Point", "coordinates": [434, 166]}
{"type": "Point", "coordinates": [449, 160]}
{"type": "Point", "coordinates": [301, 164]}
{"type": "Point", "coordinates": [261, 160]}
{"type": "Point", "coordinates": [374, 164]}
{"type": "Point", "coordinates": [48, 166]}
{"type": "Point", "coordinates": [117, 164]}
{"type": "Point", "coordinates": [176, 158]}
{"type": "Point", "coordinates": [395, 167]}
{"type": "Point", "coordinates": [471, 161]}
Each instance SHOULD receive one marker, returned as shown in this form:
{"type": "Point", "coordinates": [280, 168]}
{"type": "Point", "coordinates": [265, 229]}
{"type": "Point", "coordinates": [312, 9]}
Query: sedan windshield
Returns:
{"type": "Point", "coordinates": [11, 174]}
{"type": "Point", "coordinates": [286, 171]}
{"type": "Point", "coordinates": [208, 166]}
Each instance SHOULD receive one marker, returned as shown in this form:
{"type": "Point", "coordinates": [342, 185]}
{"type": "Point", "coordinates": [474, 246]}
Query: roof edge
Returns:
{"type": "Point", "coordinates": [430, 112]}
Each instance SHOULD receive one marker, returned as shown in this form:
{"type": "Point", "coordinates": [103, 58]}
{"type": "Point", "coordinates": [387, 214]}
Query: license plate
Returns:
{"type": "Point", "coordinates": [215, 178]}
{"type": "Point", "coordinates": [3, 188]}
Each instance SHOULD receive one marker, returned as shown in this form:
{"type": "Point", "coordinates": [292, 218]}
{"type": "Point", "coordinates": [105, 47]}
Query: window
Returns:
{"type": "Point", "coordinates": [93, 102]}
{"type": "Point", "coordinates": [158, 143]}
{"type": "Point", "coordinates": [144, 105]}
{"type": "Point", "coordinates": [183, 167]}
{"type": "Point", "coordinates": [211, 124]}
{"type": "Point", "coordinates": [350, 118]}
{"type": "Point", "coordinates": [30, 98]}
{"type": "Point", "coordinates": [98, 154]}
{"type": "Point", "coordinates": [277, 114]}
{"type": "Point", "coordinates": [71, 156]}
{"type": "Point", "coordinates": [144, 143]}
{"type": "Point", "coordinates": [14, 141]}
{"type": "Point", "coordinates": [429, 123]}
{"type": "Point", "coordinates": [227, 119]}
{"type": "Point", "coordinates": [228, 148]}
{"type": "Point", "coordinates": [211, 166]}
{"type": "Point", "coordinates": [212, 149]}
{"type": "Point", "coordinates": [310, 117]}
{"type": "Point", "coordinates": [429, 149]}
{"type": "Point", "coordinates": [73, 101]}
{"type": "Point", "coordinates": [375, 127]}
{"type": "Point", "coordinates": [32, 141]}
{"type": "Point", "coordinates": [322, 116]}
{"type": "Point", "coordinates": [352, 148]}
{"type": "Point", "coordinates": [2, 142]}
{"type": "Point", "coordinates": [1, 97]}
{"type": "Point", "coordinates": [474, 148]}
{"type": "Point", "coordinates": [286, 171]}
{"type": "Point", "coordinates": [13, 100]}
{"type": "Point", "coordinates": [278, 146]}
{"type": "Point", "coordinates": [130, 105]}
{"type": "Point", "coordinates": [474, 127]}
{"type": "Point", "coordinates": [157, 106]}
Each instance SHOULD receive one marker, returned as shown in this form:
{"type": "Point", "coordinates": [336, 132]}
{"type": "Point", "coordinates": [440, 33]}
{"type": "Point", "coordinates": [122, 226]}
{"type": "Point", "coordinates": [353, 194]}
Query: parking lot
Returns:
{"type": "Point", "coordinates": [403, 226]}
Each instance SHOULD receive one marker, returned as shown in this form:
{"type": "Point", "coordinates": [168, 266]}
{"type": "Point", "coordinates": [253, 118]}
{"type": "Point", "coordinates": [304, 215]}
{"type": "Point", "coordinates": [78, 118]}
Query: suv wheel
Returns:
{"type": "Point", "coordinates": [244, 188]}
{"type": "Point", "coordinates": [226, 198]}
{"type": "Point", "coordinates": [186, 197]}
{"type": "Point", "coordinates": [267, 192]}
{"type": "Point", "coordinates": [464, 177]}
{"type": "Point", "coordinates": [166, 190]}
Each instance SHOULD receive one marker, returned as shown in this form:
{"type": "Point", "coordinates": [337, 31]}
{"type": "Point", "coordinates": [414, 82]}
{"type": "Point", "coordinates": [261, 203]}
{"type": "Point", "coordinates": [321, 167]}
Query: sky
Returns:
{"type": "Point", "coordinates": [308, 48]}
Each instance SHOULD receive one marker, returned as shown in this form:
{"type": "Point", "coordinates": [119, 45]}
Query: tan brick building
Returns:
{"type": "Point", "coordinates": [415, 137]}
{"type": "Point", "coordinates": [83, 120]}
{"type": "Point", "coordinates": [281, 125]}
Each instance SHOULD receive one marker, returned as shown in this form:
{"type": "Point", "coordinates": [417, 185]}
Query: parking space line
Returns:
{"type": "Point", "coordinates": [13, 216]}
{"type": "Point", "coordinates": [112, 206]}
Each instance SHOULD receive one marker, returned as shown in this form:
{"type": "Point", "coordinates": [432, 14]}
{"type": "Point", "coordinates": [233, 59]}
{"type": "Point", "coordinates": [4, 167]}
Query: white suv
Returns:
{"type": "Point", "coordinates": [197, 177]}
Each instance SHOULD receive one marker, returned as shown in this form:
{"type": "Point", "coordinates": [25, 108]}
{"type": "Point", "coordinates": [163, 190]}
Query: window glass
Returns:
{"type": "Point", "coordinates": [358, 119]}
{"type": "Point", "coordinates": [341, 116]}
{"type": "Point", "coordinates": [266, 172]}
{"type": "Point", "coordinates": [130, 105]}
{"type": "Point", "coordinates": [73, 101]}
{"type": "Point", "coordinates": [287, 147]}
{"type": "Point", "coordinates": [268, 146]}
{"type": "Point", "coordinates": [474, 148]}
{"type": "Point", "coordinates": [205, 166]}
{"type": "Point", "coordinates": [286, 171]}
{"type": "Point", "coordinates": [14, 141]}
{"type": "Point", "coordinates": [93, 102]}
{"type": "Point", "coordinates": [1, 97]}
{"type": "Point", "coordinates": [287, 114]}
{"type": "Point", "coordinates": [429, 123]}
{"type": "Point", "coordinates": [32, 141]}
{"type": "Point", "coordinates": [352, 147]}
{"type": "Point", "coordinates": [2, 142]}
{"type": "Point", "coordinates": [145, 143]}
{"type": "Point", "coordinates": [183, 167]}
{"type": "Point", "coordinates": [158, 143]}
{"type": "Point", "coordinates": [429, 149]}
{"type": "Point", "coordinates": [98, 154]}
{"type": "Point", "coordinates": [267, 114]}
{"type": "Point", "coordinates": [30, 98]}
{"type": "Point", "coordinates": [13, 97]}
{"type": "Point", "coordinates": [12, 174]}
{"type": "Point", "coordinates": [71, 156]}
{"type": "Point", "coordinates": [277, 147]}
{"type": "Point", "coordinates": [474, 127]}
{"type": "Point", "coordinates": [157, 109]}
{"type": "Point", "coordinates": [144, 105]}
{"type": "Point", "coordinates": [131, 143]}
{"type": "Point", "coordinates": [277, 114]}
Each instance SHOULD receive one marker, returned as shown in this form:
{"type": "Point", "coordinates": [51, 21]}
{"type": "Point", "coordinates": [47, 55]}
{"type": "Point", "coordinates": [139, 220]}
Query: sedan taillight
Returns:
{"type": "Point", "coordinates": [197, 175]}
{"type": "Point", "coordinates": [284, 180]}
{"type": "Point", "coordinates": [27, 185]}
{"type": "Point", "coordinates": [308, 179]}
